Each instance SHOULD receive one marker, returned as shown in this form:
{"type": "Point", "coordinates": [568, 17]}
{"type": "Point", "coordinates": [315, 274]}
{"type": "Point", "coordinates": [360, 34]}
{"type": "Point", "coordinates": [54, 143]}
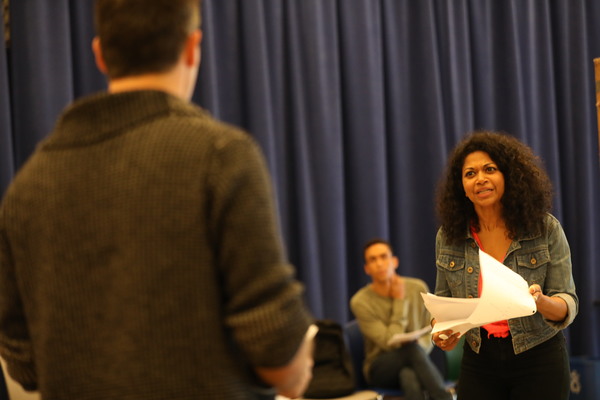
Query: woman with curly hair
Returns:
{"type": "Point", "coordinates": [496, 196]}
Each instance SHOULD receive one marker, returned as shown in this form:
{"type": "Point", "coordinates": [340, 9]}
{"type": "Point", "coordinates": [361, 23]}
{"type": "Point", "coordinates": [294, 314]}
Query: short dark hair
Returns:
{"type": "Point", "coordinates": [144, 36]}
{"type": "Point", "coordinates": [527, 189]}
{"type": "Point", "coordinates": [375, 241]}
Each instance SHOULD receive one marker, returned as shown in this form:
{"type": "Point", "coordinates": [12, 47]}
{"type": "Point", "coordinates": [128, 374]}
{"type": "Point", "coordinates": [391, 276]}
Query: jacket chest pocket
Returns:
{"type": "Point", "coordinates": [453, 268]}
{"type": "Point", "coordinates": [532, 266]}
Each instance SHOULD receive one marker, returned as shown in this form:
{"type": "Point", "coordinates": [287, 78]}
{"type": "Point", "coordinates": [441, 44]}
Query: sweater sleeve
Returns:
{"type": "Point", "coordinates": [15, 344]}
{"type": "Point", "coordinates": [263, 302]}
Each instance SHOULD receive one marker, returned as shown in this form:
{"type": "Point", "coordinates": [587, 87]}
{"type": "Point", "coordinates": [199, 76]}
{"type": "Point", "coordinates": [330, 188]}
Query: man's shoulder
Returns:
{"type": "Point", "coordinates": [213, 129]}
{"type": "Point", "coordinates": [360, 292]}
{"type": "Point", "coordinates": [416, 283]}
{"type": "Point", "coordinates": [361, 296]}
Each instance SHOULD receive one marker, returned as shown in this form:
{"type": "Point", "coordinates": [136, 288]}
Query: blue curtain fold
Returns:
{"type": "Point", "coordinates": [7, 163]}
{"type": "Point", "coordinates": [40, 71]}
{"type": "Point", "coordinates": [356, 104]}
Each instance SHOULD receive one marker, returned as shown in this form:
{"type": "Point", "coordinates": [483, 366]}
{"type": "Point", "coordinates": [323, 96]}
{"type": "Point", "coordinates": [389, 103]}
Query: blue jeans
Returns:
{"type": "Point", "coordinates": [410, 369]}
{"type": "Point", "coordinates": [497, 373]}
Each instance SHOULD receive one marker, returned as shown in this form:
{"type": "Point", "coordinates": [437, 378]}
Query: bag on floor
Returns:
{"type": "Point", "coordinates": [333, 375]}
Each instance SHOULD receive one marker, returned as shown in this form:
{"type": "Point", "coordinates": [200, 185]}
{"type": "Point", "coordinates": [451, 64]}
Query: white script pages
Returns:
{"type": "Point", "coordinates": [504, 295]}
{"type": "Point", "coordinates": [401, 338]}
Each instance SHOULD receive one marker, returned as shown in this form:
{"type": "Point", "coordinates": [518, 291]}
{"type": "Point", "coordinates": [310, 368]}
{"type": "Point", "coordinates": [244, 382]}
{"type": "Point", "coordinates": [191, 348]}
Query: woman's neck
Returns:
{"type": "Point", "coordinates": [490, 219]}
{"type": "Point", "coordinates": [493, 235]}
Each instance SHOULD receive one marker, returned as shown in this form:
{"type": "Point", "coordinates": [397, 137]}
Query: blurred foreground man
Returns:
{"type": "Point", "coordinates": [140, 254]}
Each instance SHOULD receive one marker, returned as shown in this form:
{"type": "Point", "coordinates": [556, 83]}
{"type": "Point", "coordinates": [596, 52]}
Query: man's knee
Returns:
{"type": "Point", "coordinates": [409, 380]}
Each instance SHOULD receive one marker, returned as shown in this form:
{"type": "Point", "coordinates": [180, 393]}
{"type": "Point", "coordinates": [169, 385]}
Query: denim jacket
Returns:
{"type": "Point", "coordinates": [543, 258]}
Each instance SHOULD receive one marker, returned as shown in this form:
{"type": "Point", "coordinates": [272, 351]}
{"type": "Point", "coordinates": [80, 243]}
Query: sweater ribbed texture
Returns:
{"type": "Point", "coordinates": [141, 258]}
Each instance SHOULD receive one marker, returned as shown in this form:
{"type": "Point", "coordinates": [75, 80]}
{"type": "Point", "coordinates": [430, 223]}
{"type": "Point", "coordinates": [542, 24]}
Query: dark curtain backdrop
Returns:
{"type": "Point", "coordinates": [356, 104]}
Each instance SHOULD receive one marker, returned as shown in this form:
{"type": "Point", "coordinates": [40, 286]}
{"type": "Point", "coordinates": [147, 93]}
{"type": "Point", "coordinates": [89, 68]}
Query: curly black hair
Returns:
{"type": "Point", "coordinates": [528, 189]}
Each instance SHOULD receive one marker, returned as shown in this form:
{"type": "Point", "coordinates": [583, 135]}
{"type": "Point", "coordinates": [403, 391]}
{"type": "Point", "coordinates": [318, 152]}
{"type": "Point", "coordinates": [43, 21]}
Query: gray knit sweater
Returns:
{"type": "Point", "coordinates": [141, 258]}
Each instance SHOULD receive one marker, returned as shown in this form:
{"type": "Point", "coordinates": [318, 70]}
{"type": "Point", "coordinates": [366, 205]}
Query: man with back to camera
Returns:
{"type": "Point", "coordinates": [139, 251]}
{"type": "Point", "coordinates": [389, 305]}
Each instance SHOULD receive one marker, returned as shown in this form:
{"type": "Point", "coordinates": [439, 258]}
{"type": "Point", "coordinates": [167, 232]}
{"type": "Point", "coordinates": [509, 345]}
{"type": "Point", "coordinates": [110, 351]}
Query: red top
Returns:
{"type": "Point", "coordinates": [499, 328]}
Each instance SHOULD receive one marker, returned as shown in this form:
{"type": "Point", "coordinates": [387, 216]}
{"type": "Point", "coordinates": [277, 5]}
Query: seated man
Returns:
{"type": "Point", "coordinates": [392, 304]}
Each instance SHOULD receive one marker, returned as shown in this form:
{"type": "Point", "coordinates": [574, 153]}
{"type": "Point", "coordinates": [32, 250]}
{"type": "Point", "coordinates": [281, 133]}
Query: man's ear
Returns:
{"type": "Point", "coordinates": [192, 48]}
{"type": "Point", "coordinates": [97, 49]}
{"type": "Point", "coordinates": [396, 262]}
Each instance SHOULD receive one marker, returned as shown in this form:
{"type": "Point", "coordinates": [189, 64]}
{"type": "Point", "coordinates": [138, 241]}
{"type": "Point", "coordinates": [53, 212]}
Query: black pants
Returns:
{"type": "Point", "coordinates": [410, 369]}
{"type": "Point", "coordinates": [497, 373]}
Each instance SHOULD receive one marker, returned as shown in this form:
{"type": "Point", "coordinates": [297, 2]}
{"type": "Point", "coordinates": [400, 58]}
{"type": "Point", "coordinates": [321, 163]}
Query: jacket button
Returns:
{"type": "Point", "coordinates": [473, 245]}
{"type": "Point", "coordinates": [470, 296]}
{"type": "Point", "coordinates": [452, 264]}
{"type": "Point", "coordinates": [533, 261]}
{"type": "Point", "coordinates": [474, 343]}
{"type": "Point", "coordinates": [470, 270]}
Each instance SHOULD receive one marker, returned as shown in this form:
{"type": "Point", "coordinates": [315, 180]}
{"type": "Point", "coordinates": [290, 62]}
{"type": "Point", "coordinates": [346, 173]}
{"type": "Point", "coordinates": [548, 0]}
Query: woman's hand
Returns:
{"type": "Point", "coordinates": [445, 340]}
{"type": "Point", "coordinates": [553, 308]}
{"type": "Point", "coordinates": [536, 291]}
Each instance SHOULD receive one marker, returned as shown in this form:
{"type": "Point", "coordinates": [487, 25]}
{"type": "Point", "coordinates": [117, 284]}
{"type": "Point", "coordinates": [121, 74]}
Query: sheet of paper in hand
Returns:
{"type": "Point", "coordinates": [400, 338]}
{"type": "Point", "coordinates": [504, 295]}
